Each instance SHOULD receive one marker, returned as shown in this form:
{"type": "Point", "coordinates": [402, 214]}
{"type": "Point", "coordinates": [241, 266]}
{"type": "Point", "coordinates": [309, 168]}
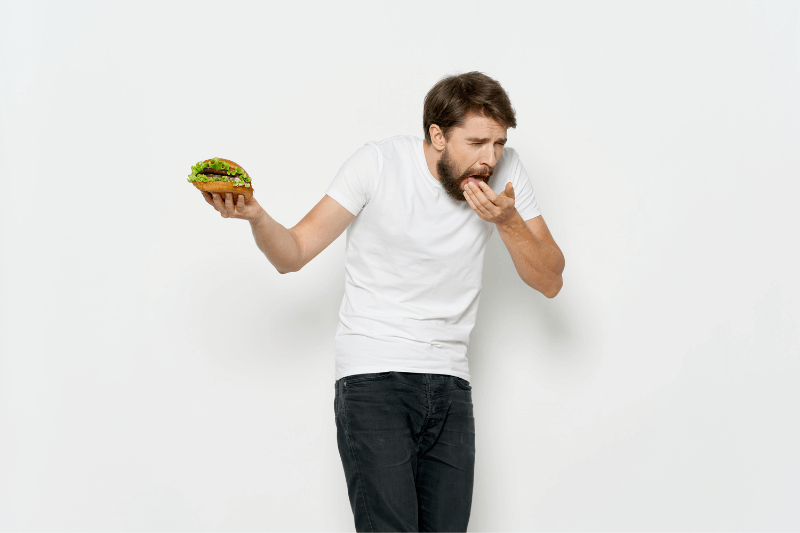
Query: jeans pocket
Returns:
{"type": "Point", "coordinates": [463, 383]}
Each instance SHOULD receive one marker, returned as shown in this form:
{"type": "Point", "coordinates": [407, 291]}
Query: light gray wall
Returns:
{"type": "Point", "coordinates": [156, 373]}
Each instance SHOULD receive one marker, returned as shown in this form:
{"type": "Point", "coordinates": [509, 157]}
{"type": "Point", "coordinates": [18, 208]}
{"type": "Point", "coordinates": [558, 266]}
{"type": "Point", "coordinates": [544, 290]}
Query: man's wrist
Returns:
{"type": "Point", "coordinates": [259, 220]}
{"type": "Point", "coordinates": [514, 220]}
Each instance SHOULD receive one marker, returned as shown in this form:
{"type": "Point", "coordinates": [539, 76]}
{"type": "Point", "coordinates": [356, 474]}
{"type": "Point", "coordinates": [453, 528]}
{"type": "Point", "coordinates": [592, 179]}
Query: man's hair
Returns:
{"type": "Point", "coordinates": [452, 98]}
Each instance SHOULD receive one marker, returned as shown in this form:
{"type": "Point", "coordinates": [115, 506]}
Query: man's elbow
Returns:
{"type": "Point", "coordinates": [287, 271]}
{"type": "Point", "coordinates": [554, 288]}
{"type": "Point", "coordinates": [557, 282]}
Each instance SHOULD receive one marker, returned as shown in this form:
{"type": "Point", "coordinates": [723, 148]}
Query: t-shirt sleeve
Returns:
{"type": "Point", "coordinates": [524, 197]}
{"type": "Point", "coordinates": [357, 180]}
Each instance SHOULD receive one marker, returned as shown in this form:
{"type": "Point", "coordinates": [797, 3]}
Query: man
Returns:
{"type": "Point", "coordinates": [421, 213]}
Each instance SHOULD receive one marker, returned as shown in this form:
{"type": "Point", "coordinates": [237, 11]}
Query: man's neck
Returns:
{"type": "Point", "coordinates": [432, 156]}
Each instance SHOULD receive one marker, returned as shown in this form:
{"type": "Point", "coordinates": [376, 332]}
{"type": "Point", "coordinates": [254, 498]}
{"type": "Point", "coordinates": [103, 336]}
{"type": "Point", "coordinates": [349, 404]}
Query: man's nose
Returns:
{"type": "Point", "coordinates": [488, 158]}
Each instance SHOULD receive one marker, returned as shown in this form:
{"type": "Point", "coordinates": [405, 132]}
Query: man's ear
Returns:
{"type": "Point", "coordinates": [437, 137]}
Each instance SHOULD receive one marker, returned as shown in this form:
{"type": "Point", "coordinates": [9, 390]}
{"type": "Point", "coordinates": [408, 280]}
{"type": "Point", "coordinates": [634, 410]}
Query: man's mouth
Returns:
{"type": "Point", "coordinates": [475, 178]}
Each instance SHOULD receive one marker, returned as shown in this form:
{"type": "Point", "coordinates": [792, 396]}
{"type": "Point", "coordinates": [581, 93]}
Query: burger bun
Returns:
{"type": "Point", "coordinates": [223, 187]}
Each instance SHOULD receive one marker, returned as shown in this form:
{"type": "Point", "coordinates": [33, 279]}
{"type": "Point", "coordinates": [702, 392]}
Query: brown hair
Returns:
{"type": "Point", "coordinates": [452, 98]}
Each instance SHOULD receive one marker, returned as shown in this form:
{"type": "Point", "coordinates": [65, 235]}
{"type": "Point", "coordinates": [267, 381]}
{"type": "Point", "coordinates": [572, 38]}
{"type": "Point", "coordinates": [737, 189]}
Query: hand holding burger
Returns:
{"type": "Point", "coordinates": [221, 181]}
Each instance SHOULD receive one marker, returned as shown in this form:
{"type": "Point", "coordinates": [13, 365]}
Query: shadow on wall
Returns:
{"type": "Point", "coordinates": [519, 316]}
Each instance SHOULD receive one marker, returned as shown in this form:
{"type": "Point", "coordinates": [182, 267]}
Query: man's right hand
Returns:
{"type": "Point", "coordinates": [248, 210]}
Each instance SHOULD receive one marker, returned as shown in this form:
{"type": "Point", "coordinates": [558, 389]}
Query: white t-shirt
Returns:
{"type": "Point", "coordinates": [414, 260]}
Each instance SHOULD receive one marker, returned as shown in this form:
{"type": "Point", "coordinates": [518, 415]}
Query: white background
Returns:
{"type": "Point", "coordinates": [157, 373]}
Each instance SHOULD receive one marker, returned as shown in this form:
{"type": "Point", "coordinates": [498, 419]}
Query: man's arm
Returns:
{"type": "Point", "coordinates": [319, 228]}
{"type": "Point", "coordinates": [290, 250]}
{"type": "Point", "coordinates": [287, 249]}
{"type": "Point", "coordinates": [276, 242]}
{"type": "Point", "coordinates": [536, 256]}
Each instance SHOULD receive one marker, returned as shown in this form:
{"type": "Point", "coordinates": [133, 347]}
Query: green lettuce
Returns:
{"type": "Point", "coordinates": [236, 175]}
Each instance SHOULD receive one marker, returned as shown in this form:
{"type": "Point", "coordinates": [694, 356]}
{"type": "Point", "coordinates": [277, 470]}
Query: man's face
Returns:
{"type": "Point", "coordinates": [471, 151]}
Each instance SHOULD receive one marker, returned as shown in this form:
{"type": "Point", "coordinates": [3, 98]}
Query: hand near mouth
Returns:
{"type": "Point", "coordinates": [496, 208]}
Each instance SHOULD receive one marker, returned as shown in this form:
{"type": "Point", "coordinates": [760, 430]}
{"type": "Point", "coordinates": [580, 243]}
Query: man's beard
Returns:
{"type": "Point", "coordinates": [451, 184]}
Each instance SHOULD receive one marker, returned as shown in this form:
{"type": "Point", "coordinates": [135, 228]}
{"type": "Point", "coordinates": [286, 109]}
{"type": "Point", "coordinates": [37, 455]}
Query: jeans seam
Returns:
{"type": "Point", "coordinates": [427, 411]}
{"type": "Point", "coordinates": [350, 447]}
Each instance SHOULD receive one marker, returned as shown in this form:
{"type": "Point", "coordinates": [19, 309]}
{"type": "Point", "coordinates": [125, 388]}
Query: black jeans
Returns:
{"type": "Point", "coordinates": [407, 443]}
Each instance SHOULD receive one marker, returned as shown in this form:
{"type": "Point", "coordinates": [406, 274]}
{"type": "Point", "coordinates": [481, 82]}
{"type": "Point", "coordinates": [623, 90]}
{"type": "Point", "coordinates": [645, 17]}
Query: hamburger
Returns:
{"type": "Point", "coordinates": [221, 176]}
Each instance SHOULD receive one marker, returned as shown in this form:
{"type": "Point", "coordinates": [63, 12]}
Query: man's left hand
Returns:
{"type": "Point", "coordinates": [497, 208]}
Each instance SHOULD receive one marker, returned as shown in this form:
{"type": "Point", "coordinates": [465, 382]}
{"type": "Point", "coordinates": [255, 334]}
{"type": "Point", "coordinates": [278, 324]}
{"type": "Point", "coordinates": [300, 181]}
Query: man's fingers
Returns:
{"type": "Point", "coordinates": [226, 204]}
{"type": "Point", "coordinates": [230, 209]}
{"type": "Point", "coordinates": [219, 205]}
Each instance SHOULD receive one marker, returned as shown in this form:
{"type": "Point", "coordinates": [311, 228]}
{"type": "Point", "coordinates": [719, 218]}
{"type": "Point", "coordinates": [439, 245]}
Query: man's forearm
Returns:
{"type": "Point", "coordinates": [538, 263]}
{"type": "Point", "coordinates": [277, 243]}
